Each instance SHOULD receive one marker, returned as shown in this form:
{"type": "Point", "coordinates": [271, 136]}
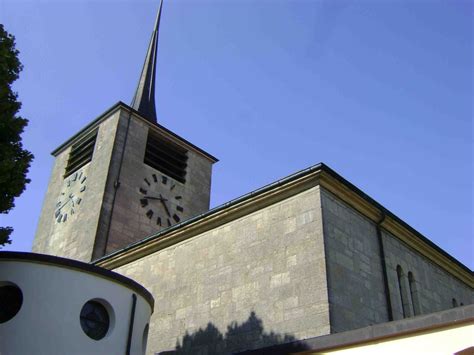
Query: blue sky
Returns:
{"type": "Point", "coordinates": [381, 91]}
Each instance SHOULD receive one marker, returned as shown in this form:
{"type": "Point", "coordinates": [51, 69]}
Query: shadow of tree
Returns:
{"type": "Point", "coordinates": [242, 338]}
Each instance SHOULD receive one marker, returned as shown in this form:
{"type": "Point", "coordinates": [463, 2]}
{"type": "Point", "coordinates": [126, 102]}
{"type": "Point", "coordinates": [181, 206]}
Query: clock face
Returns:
{"type": "Point", "coordinates": [160, 200]}
{"type": "Point", "coordinates": [71, 197]}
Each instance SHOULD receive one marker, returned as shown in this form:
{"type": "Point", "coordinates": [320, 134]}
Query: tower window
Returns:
{"type": "Point", "coordinates": [81, 153]}
{"type": "Point", "coordinates": [166, 157]}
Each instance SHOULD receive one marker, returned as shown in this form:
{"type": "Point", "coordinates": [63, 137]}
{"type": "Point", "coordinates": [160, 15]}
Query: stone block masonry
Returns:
{"type": "Point", "coordinates": [355, 280]}
{"type": "Point", "coordinates": [75, 238]}
{"type": "Point", "coordinates": [129, 222]}
{"type": "Point", "coordinates": [270, 262]}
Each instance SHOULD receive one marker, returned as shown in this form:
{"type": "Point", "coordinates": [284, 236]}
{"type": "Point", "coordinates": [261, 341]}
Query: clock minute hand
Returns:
{"type": "Point", "coordinates": [64, 204]}
{"type": "Point", "coordinates": [166, 207]}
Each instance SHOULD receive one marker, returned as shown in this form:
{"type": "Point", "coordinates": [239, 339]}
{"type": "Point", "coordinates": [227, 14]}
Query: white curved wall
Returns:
{"type": "Point", "coordinates": [53, 296]}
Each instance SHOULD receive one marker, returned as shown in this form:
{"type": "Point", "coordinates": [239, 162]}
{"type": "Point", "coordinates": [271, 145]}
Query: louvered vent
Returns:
{"type": "Point", "coordinates": [166, 157]}
{"type": "Point", "coordinates": [81, 153]}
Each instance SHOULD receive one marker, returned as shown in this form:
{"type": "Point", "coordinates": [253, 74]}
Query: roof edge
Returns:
{"type": "Point", "coordinates": [390, 214]}
{"type": "Point", "coordinates": [90, 126]}
{"type": "Point", "coordinates": [80, 266]}
{"type": "Point", "coordinates": [455, 317]}
{"type": "Point", "coordinates": [318, 169]}
{"type": "Point", "coordinates": [233, 202]}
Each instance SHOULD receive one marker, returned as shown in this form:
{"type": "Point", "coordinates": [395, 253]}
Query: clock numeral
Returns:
{"type": "Point", "coordinates": [79, 176]}
{"type": "Point", "coordinates": [147, 182]}
{"type": "Point", "coordinates": [178, 197]}
{"type": "Point", "coordinates": [65, 217]}
{"type": "Point", "coordinates": [59, 218]}
{"type": "Point", "coordinates": [74, 178]}
{"type": "Point", "coordinates": [83, 179]}
{"type": "Point", "coordinates": [72, 210]}
{"type": "Point", "coordinates": [164, 180]}
{"type": "Point", "coordinates": [176, 218]}
{"type": "Point", "coordinates": [58, 212]}
{"type": "Point", "coordinates": [149, 214]}
{"type": "Point", "coordinates": [69, 183]}
{"type": "Point", "coordinates": [169, 222]}
{"type": "Point", "coordinates": [143, 191]}
{"type": "Point", "coordinates": [144, 202]}
{"type": "Point", "coordinates": [155, 179]}
{"type": "Point", "coordinates": [158, 221]}
{"type": "Point", "coordinates": [179, 208]}
{"type": "Point", "coordinates": [83, 188]}
{"type": "Point", "coordinates": [78, 200]}
{"type": "Point", "coordinates": [172, 187]}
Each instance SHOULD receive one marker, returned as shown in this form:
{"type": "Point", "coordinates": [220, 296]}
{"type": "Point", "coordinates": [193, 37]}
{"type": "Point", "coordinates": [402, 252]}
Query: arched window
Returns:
{"type": "Point", "coordinates": [455, 303]}
{"type": "Point", "coordinates": [413, 294]}
{"type": "Point", "coordinates": [403, 292]}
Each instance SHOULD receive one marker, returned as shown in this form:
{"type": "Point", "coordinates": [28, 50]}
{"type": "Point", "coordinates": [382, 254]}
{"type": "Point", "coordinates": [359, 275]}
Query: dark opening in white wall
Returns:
{"type": "Point", "coordinates": [11, 299]}
{"type": "Point", "coordinates": [95, 320]}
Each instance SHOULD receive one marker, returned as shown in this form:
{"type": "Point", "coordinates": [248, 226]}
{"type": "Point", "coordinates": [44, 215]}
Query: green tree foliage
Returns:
{"type": "Point", "coordinates": [14, 160]}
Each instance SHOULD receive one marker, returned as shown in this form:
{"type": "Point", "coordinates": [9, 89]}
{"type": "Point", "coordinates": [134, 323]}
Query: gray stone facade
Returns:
{"type": "Point", "coordinates": [307, 265]}
{"type": "Point", "coordinates": [355, 279]}
{"type": "Point", "coordinates": [75, 238]}
{"type": "Point", "coordinates": [110, 216]}
{"type": "Point", "coordinates": [355, 284]}
{"type": "Point", "coordinates": [270, 262]}
{"type": "Point", "coordinates": [128, 221]}
{"type": "Point", "coordinates": [434, 287]}
{"type": "Point", "coordinates": [296, 259]}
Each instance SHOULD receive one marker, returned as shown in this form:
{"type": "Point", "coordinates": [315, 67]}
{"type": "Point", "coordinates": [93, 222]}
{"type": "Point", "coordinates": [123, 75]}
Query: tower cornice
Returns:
{"type": "Point", "coordinates": [120, 105]}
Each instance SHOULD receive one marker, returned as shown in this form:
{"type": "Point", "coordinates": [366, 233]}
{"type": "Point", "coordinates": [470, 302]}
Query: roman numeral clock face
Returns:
{"type": "Point", "coordinates": [161, 201]}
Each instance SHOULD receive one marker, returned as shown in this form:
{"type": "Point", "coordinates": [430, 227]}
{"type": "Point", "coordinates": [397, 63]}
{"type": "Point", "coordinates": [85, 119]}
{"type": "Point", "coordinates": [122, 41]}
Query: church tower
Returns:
{"type": "Point", "coordinates": [122, 178]}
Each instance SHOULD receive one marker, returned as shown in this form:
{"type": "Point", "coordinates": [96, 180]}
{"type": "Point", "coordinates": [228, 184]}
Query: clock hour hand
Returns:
{"type": "Point", "coordinates": [161, 198]}
{"type": "Point", "coordinates": [152, 198]}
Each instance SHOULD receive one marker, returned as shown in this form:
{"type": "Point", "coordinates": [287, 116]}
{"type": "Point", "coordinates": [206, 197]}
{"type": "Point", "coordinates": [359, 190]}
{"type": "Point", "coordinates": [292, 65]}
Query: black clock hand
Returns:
{"type": "Point", "coordinates": [161, 198]}
{"type": "Point", "coordinates": [152, 198]}
{"type": "Point", "coordinates": [60, 207]}
{"type": "Point", "coordinates": [166, 208]}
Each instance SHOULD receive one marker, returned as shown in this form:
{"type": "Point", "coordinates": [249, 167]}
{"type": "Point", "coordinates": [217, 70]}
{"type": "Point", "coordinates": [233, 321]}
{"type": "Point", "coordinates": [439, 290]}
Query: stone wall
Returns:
{"type": "Point", "coordinates": [75, 238]}
{"type": "Point", "coordinates": [110, 215]}
{"type": "Point", "coordinates": [433, 288]}
{"type": "Point", "coordinates": [255, 281]}
{"type": "Point", "coordinates": [129, 222]}
{"type": "Point", "coordinates": [356, 292]}
{"type": "Point", "coordinates": [355, 283]}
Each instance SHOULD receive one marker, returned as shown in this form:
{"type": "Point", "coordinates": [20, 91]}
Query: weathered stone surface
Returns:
{"type": "Point", "coordinates": [258, 263]}
{"type": "Point", "coordinates": [75, 238]}
{"type": "Point", "coordinates": [111, 216]}
{"type": "Point", "coordinates": [355, 280]}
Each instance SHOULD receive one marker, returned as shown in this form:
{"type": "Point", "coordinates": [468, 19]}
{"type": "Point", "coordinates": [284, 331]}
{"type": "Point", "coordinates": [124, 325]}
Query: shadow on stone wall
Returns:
{"type": "Point", "coordinates": [239, 338]}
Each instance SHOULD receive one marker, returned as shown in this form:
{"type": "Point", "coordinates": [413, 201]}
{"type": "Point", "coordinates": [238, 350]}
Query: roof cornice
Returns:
{"type": "Point", "coordinates": [120, 105]}
{"type": "Point", "coordinates": [319, 174]}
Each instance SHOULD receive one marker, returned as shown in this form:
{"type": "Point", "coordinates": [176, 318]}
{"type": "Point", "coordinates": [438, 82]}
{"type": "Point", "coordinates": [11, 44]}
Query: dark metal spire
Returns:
{"type": "Point", "coordinates": [144, 99]}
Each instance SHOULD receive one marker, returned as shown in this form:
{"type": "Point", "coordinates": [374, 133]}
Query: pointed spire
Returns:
{"type": "Point", "coordinates": [144, 99]}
